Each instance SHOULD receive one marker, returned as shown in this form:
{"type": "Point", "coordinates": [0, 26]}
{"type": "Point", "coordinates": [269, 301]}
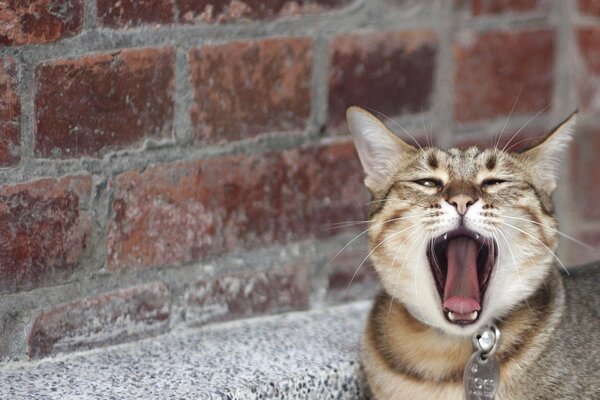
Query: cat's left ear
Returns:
{"type": "Point", "coordinates": [379, 150]}
{"type": "Point", "coordinates": [545, 158]}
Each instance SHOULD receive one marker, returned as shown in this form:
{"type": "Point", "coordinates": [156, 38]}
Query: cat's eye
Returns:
{"type": "Point", "coordinates": [430, 183]}
{"type": "Point", "coordinates": [492, 182]}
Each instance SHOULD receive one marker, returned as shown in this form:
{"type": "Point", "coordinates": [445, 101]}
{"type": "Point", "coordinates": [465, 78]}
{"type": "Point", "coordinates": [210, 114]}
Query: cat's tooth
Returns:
{"type": "Point", "coordinates": [446, 236]}
{"type": "Point", "coordinates": [477, 236]}
{"type": "Point", "coordinates": [473, 316]}
{"type": "Point", "coordinates": [451, 316]}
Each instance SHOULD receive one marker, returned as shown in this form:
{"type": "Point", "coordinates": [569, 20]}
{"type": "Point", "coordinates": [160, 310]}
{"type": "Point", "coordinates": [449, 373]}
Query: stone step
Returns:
{"type": "Point", "coordinates": [301, 355]}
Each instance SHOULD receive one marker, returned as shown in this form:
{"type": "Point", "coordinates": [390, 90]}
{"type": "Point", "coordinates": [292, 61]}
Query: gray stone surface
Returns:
{"type": "Point", "coordinates": [304, 355]}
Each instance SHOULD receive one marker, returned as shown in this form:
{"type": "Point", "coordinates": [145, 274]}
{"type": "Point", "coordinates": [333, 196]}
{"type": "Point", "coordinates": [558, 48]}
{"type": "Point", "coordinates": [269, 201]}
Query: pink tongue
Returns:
{"type": "Point", "coordinates": [461, 293]}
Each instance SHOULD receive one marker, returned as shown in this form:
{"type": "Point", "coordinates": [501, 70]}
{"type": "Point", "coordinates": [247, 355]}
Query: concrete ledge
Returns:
{"type": "Point", "coordinates": [306, 355]}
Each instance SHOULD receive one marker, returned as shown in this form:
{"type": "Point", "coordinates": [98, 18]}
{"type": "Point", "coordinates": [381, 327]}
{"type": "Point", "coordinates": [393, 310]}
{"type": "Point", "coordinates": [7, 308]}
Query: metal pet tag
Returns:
{"type": "Point", "coordinates": [482, 373]}
{"type": "Point", "coordinates": [481, 377]}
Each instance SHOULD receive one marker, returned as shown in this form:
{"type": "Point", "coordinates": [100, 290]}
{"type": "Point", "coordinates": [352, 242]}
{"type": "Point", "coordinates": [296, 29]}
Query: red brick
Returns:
{"type": "Point", "coordinates": [589, 47]}
{"type": "Point", "coordinates": [494, 68]}
{"type": "Point", "coordinates": [10, 113]}
{"type": "Point", "coordinates": [171, 214]}
{"type": "Point", "coordinates": [248, 294]}
{"type": "Point", "coordinates": [242, 89]}
{"type": "Point", "coordinates": [585, 172]}
{"type": "Point", "coordinates": [482, 7]}
{"type": "Point", "coordinates": [589, 7]}
{"type": "Point", "coordinates": [223, 11]}
{"type": "Point", "coordinates": [103, 102]}
{"type": "Point", "coordinates": [44, 232]}
{"type": "Point", "coordinates": [110, 318]}
{"type": "Point", "coordinates": [131, 13]}
{"type": "Point", "coordinates": [388, 72]}
{"type": "Point", "coordinates": [39, 21]}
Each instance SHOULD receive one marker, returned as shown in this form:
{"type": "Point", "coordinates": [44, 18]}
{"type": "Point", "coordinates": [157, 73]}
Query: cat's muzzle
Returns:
{"type": "Point", "coordinates": [462, 261]}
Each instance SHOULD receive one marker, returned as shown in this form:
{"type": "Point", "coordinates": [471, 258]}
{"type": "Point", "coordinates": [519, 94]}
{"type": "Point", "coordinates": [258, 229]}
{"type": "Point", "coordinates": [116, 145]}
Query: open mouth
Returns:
{"type": "Point", "coordinates": [462, 262]}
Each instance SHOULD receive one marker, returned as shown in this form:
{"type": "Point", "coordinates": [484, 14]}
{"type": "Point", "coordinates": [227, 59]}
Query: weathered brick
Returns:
{"type": "Point", "coordinates": [585, 171]}
{"type": "Point", "coordinates": [389, 72]}
{"type": "Point", "coordinates": [44, 232]}
{"type": "Point", "coordinates": [589, 7]}
{"type": "Point", "coordinates": [493, 69]}
{"type": "Point", "coordinates": [10, 113]}
{"type": "Point", "coordinates": [171, 214]}
{"type": "Point", "coordinates": [223, 11]}
{"type": "Point", "coordinates": [588, 40]}
{"type": "Point", "coordinates": [108, 101]}
{"type": "Point", "coordinates": [110, 318]}
{"type": "Point", "coordinates": [131, 13]}
{"type": "Point", "coordinates": [39, 21]}
{"type": "Point", "coordinates": [482, 7]}
{"type": "Point", "coordinates": [242, 89]}
{"type": "Point", "coordinates": [248, 294]}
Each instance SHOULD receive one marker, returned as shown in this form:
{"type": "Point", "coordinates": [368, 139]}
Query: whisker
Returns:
{"type": "Point", "coordinates": [523, 127]}
{"type": "Point", "coordinates": [371, 252]}
{"type": "Point", "coordinates": [514, 261]}
{"type": "Point", "coordinates": [362, 233]}
{"type": "Point", "coordinates": [508, 118]}
{"type": "Point", "coordinates": [344, 224]}
{"type": "Point", "coordinates": [397, 124]}
{"type": "Point", "coordinates": [498, 260]}
{"type": "Point", "coordinates": [425, 129]}
{"type": "Point", "coordinates": [416, 282]}
{"type": "Point", "coordinates": [435, 259]}
{"type": "Point", "coordinates": [522, 141]}
{"type": "Point", "coordinates": [402, 266]}
{"type": "Point", "coordinates": [586, 245]}
{"type": "Point", "coordinates": [542, 243]}
{"type": "Point", "coordinates": [397, 201]}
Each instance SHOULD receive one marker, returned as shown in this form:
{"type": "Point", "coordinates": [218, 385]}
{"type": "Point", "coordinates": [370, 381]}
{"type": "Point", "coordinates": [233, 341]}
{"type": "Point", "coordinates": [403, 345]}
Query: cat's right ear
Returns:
{"type": "Point", "coordinates": [379, 149]}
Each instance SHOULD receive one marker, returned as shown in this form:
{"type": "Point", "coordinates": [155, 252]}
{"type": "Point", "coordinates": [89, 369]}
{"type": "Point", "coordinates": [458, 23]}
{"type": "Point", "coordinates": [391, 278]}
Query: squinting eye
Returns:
{"type": "Point", "coordinates": [492, 182]}
{"type": "Point", "coordinates": [430, 183]}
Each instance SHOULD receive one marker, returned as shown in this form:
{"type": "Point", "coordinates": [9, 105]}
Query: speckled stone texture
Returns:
{"type": "Point", "coordinates": [308, 355]}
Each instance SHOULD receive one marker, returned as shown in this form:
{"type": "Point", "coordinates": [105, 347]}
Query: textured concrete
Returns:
{"type": "Point", "coordinates": [309, 355]}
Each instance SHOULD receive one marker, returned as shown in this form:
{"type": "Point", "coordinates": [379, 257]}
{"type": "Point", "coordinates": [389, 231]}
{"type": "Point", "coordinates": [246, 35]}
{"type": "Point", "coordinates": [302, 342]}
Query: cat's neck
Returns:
{"type": "Point", "coordinates": [417, 351]}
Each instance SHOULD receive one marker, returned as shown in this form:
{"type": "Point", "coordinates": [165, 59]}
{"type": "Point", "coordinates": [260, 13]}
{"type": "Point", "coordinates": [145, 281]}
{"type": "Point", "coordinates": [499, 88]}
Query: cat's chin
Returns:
{"type": "Point", "coordinates": [462, 262]}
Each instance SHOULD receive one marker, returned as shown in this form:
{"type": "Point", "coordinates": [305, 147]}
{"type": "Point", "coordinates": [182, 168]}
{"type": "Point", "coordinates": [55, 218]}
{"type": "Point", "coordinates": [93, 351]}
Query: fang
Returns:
{"type": "Point", "coordinates": [473, 316]}
{"type": "Point", "coordinates": [451, 316]}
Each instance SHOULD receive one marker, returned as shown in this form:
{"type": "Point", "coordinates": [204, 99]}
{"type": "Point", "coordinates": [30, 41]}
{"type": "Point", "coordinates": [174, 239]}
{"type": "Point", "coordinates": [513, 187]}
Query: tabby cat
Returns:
{"type": "Point", "coordinates": [462, 239]}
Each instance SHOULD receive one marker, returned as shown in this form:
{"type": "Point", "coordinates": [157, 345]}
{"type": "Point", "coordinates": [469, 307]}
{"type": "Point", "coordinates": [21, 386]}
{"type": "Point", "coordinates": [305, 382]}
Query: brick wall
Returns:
{"type": "Point", "coordinates": [172, 163]}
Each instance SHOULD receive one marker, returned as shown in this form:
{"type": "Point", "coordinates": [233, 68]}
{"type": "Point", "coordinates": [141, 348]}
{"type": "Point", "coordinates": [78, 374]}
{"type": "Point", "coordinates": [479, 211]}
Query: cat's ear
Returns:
{"type": "Point", "coordinates": [546, 157]}
{"type": "Point", "coordinates": [379, 149]}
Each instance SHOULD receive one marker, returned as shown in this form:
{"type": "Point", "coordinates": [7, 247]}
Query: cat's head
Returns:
{"type": "Point", "coordinates": [459, 237]}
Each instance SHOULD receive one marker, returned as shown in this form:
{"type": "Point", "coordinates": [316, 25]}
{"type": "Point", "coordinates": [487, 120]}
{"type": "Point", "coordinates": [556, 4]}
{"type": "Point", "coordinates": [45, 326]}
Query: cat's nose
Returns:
{"type": "Point", "coordinates": [462, 202]}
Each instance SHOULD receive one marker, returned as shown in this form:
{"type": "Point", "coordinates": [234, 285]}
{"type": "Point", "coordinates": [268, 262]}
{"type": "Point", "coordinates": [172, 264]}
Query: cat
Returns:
{"type": "Point", "coordinates": [460, 240]}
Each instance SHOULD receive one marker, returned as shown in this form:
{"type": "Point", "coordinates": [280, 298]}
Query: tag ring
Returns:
{"type": "Point", "coordinates": [484, 354]}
